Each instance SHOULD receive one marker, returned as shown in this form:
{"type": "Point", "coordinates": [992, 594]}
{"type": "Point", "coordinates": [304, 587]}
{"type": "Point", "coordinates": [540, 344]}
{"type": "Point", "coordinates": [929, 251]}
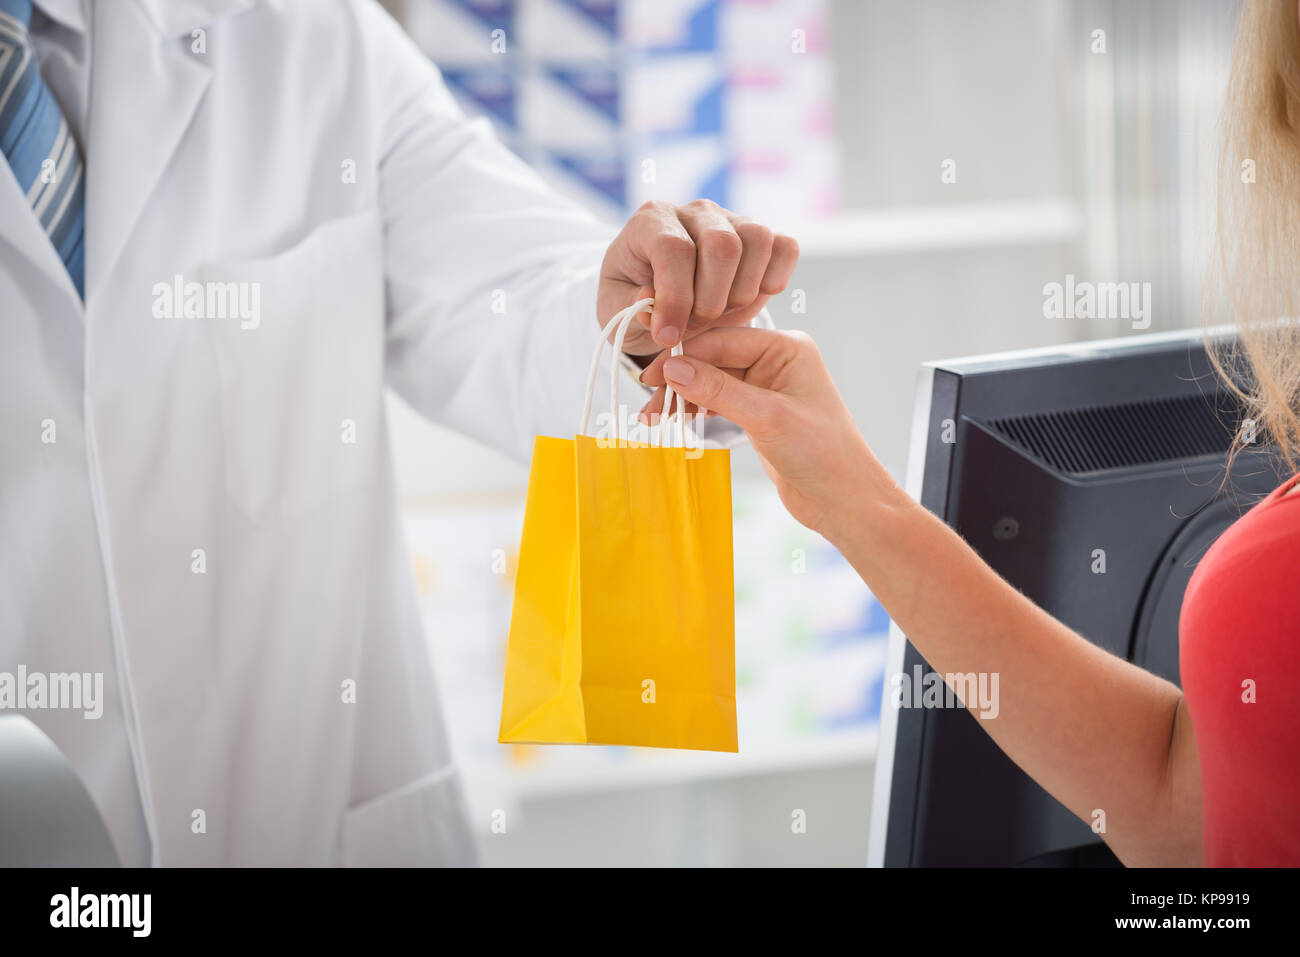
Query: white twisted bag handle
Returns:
{"type": "Point", "coordinates": [621, 321]}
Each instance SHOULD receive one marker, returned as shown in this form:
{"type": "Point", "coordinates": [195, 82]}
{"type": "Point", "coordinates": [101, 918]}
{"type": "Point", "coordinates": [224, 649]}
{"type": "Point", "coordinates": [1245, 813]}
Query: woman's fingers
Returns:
{"type": "Point", "coordinates": [745, 374]}
{"type": "Point", "coordinates": [774, 385]}
{"type": "Point", "coordinates": [709, 387]}
{"type": "Point", "coordinates": [654, 407]}
{"type": "Point", "coordinates": [757, 353]}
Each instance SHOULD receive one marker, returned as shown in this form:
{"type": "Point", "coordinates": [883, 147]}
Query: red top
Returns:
{"type": "Point", "coordinates": [1239, 659]}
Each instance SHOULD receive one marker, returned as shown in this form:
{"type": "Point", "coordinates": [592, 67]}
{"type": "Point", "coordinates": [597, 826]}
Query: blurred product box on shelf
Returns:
{"type": "Point", "coordinates": [670, 26]}
{"type": "Point", "coordinates": [674, 96]}
{"type": "Point", "coordinates": [597, 179]}
{"type": "Point", "coordinates": [679, 169]}
{"type": "Point", "coordinates": [772, 31]}
{"type": "Point", "coordinates": [730, 100]}
{"type": "Point", "coordinates": [488, 91]}
{"type": "Point", "coordinates": [781, 137]}
{"type": "Point", "coordinates": [570, 31]}
{"type": "Point", "coordinates": [571, 107]}
{"type": "Point", "coordinates": [462, 32]}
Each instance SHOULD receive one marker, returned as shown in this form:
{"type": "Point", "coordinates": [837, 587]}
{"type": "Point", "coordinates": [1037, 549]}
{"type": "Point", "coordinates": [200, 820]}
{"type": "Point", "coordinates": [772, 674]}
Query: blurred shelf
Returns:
{"type": "Point", "coordinates": [910, 229]}
{"type": "Point", "coordinates": [668, 768]}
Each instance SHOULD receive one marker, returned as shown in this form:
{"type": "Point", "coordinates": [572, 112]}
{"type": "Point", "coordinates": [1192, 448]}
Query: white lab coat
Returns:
{"type": "Point", "coordinates": [199, 530]}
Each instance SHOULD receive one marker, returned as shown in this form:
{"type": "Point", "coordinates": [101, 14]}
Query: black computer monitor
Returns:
{"type": "Point", "coordinates": [1092, 478]}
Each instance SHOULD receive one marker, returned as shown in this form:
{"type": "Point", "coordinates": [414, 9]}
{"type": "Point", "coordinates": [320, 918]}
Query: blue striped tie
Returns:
{"type": "Point", "coordinates": [36, 140]}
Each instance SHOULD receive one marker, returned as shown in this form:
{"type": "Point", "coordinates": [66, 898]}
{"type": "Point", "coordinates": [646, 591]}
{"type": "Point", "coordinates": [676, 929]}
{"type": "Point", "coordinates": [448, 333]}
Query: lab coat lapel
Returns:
{"type": "Point", "coordinates": [20, 230]}
{"type": "Point", "coordinates": [146, 86]}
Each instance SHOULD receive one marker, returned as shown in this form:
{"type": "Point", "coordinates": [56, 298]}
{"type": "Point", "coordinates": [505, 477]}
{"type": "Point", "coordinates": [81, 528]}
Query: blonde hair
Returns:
{"type": "Point", "coordinates": [1258, 279]}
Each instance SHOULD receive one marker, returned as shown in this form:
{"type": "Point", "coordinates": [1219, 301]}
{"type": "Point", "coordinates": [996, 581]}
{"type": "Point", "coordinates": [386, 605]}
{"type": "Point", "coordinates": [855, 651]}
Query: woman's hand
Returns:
{"type": "Point", "coordinates": [774, 385]}
{"type": "Point", "coordinates": [1094, 730]}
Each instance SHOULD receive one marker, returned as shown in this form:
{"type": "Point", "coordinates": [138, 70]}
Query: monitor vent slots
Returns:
{"type": "Point", "coordinates": [1102, 438]}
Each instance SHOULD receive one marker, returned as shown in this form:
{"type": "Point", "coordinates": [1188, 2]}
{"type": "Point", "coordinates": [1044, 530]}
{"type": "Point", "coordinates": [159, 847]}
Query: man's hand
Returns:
{"type": "Point", "coordinates": [703, 265]}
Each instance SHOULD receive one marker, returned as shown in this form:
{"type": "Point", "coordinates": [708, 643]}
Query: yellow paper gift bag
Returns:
{"type": "Point", "coordinates": [622, 630]}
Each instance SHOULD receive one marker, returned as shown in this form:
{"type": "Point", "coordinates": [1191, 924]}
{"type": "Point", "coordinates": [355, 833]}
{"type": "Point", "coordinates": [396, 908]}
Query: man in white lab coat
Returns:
{"type": "Point", "coordinates": [284, 212]}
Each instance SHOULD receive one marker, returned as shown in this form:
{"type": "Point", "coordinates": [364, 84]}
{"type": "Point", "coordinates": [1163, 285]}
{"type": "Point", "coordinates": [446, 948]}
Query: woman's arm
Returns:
{"type": "Point", "coordinates": [1095, 731]}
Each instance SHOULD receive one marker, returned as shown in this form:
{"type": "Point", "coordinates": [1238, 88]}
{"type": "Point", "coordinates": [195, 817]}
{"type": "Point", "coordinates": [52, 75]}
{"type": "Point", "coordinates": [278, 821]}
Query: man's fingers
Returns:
{"type": "Point", "coordinates": [757, 240]}
{"type": "Point", "coordinates": [780, 267]}
{"type": "Point", "coordinates": [718, 250]}
{"type": "Point", "coordinates": [661, 240]}
{"type": "Point", "coordinates": [643, 319]}
{"type": "Point", "coordinates": [705, 266]}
